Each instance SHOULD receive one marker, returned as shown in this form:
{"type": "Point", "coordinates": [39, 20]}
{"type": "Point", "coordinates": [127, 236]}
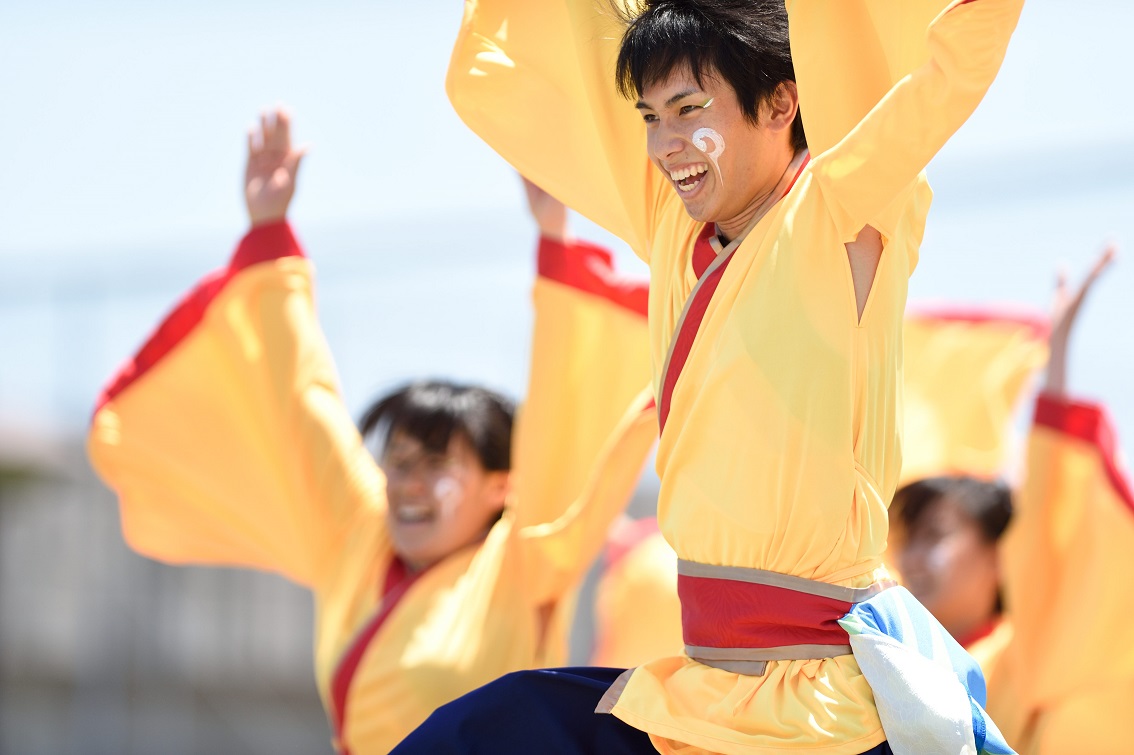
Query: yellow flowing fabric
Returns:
{"type": "Point", "coordinates": [781, 450]}
{"type": "Point", "coordinates": [1065, 682]}
{"type": "Point", "coordinates": [966, 370]}
{"type": "Point", "coordinates": [228, 443]}
{"type": "Point", "coordinates": [965, 373]}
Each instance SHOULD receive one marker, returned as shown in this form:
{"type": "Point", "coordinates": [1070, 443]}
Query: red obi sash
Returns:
{"type": "Point", "coordinates": [738, 619]}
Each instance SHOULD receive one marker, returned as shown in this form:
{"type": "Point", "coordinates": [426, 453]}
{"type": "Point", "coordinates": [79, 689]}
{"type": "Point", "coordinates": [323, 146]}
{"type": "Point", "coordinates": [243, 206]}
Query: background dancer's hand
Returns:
{"type": "Point", "coordinates": [548, 212]}
{"type": "Point", "coordinates": [1063, 315]}
{"type": "Point", "coordinates": [269, 176]}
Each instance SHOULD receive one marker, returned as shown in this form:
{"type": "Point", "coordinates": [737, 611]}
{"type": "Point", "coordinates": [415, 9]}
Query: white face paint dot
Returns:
{"type": "Point", "coordinates": [699, 137]}
{"type": "Point", "coordinates": [447, 491]}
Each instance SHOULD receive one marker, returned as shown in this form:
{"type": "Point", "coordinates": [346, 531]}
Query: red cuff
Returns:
{"type": "Point", "coordinates": [1036, 323]}
{"type": "Point", "coordinates": [265, 243]}
{"type": "Point", "coordinates": [1088, 422]}
{"type": "Point", "coordinates": [261, 244]}
{"type": "Point", "coordinates": [590, 268]}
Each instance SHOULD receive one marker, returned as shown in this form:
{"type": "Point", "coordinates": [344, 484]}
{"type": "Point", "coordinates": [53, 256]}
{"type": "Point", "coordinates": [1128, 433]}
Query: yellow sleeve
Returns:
{"type": "Point", "coordinates": [590, 358]}
{"type": "Point", "coordinates": [1065, 562]}
{"type": "Point", "coordinates": [575, 466]}
{"type": "Point", "coordinates": [965, 372]}
{"type": "Point", "coordinates": [847, 55]}
{"type": "Point", "coordinates": [556, 554]}
{"type": "Point", "coordinates": [535, 80]}
{"type": "Point", "coordinates": [875, 159]}
{"type": "Point", "coordinates": [225, 437]}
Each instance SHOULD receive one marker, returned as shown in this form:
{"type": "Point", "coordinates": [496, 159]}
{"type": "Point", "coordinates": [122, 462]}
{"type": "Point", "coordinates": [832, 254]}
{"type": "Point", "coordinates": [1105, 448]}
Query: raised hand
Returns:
{"type": "Point", "coordinates": [1063, 315]}
{"type": "Point", "coordinates": [269, 176]}
{"type": "Point", "coordinates": [548, 212]}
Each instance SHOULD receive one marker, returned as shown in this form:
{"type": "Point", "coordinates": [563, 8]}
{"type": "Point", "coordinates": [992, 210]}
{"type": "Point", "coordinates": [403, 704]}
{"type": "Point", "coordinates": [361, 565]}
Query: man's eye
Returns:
{"type": "Point", "coordinates": [687, 109]}
{"type": "Point", "coordinates": [649, 117]}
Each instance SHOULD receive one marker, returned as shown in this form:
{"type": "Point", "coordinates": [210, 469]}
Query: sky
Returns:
{"type": "Point", "coordinates": [123, 128]}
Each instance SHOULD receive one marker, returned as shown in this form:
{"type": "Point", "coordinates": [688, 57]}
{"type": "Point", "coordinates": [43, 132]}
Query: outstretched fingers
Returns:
{"type": "Point", "coordinates": [283, 128]}
{"type": "Point", "coordinates": [270, 173]}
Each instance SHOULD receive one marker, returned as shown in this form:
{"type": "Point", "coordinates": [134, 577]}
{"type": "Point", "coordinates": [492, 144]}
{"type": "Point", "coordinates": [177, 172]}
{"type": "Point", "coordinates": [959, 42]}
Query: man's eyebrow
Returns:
{"type": "Point", "coordinates": [641, 105]}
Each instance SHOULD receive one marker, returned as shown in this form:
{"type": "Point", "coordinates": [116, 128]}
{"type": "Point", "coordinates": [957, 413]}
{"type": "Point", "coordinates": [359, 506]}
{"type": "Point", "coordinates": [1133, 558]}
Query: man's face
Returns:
{"type": "Point", "coordinates": [437, 502]}
{"type": "Point", "coordinates": [950, 567]}
{"type": "Point", "coordinates": [717, 161]}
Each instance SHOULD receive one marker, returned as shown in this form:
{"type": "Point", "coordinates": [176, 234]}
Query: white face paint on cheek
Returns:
{"type": "Point", "coordinates": [717, 140]}
{"type": "Point", "coordinates": [939, 560]}
{"type": "Point", "coordinates": [447, 492]}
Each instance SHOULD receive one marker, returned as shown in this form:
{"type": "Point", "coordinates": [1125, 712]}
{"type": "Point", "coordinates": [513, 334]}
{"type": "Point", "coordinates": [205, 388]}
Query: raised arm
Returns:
{"type": "Point", "coordinates": [225, 437]}
{"type": "Point", "coordinates": [558, 553]}
{"type": "Point", "coordinates": [1065, 557]}
{"type": "Point", "coordinates": [864, 166]}
{"type": "Point", "coordinates": [535, 80]}
{"type": "Point", "coordinates": [1066, 311]}
{"type": "Point", "coordinates": [847, 55]}
{"type": "Point", "coordinates": [590, 358]}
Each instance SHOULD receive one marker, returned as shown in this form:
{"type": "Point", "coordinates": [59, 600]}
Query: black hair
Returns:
{"type": "Point", "coordinates": [988, 503]}
{"type": "Point", "coordinates": [432, 411]}
{"type": "Point", "coordinates": [744, 42]}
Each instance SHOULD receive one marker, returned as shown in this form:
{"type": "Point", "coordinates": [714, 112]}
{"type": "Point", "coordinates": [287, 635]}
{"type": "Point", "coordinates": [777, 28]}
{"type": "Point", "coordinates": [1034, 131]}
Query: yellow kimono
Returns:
{"type": "Point", "coordinates": [780, 441]}
{"type": "Point", "coordinates": [228, 443]}
{"type": "Point", "coordinates": [1065, 681]}
{"type": "Point", "coordinates": [965, 371]}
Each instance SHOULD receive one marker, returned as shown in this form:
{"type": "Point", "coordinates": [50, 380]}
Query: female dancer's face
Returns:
{"type": "Point", "coordinates": [719, 163]}
{"type": "Point", "coordinates": [951, 567]}
{"type": "Point", "coordinates": [438, 503]}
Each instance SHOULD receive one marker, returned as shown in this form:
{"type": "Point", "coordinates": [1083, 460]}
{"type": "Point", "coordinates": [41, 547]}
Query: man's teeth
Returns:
{"type": "Point", "coordinates": [692, 170]}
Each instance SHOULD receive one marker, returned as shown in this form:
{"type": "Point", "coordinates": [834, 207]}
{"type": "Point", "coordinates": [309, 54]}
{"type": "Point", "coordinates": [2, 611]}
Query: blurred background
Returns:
{"type": "Point", "coordinates": [122, 125]}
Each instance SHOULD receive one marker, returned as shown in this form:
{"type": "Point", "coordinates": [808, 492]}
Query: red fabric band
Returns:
{"type": "Point", "coordinates": [590, 268]}
{"type": "Point", "coordinates": [262, 244]}
{"type": "Point", "coordinates": [1037, 324]}
{"type": "Point", "coordinates": [1091, 424]}
{"type": "Point", "coordinates": [397, 584]}
{"type": "Point", "coordinates": [725, 613]}
{"type": "Point", "coordinates": [702, 258]}
{"type": "Point", "coordinates": [686, 335]}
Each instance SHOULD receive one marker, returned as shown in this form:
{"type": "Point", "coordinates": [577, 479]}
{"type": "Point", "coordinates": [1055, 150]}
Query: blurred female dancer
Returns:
{"type": "Point", "coordinates": [439, 567]}
{"type": "Point", "coordinates": [1040, 599]}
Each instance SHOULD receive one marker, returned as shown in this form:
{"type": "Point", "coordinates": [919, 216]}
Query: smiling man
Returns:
{"type": "Point", "coordinates": [778, 283]}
